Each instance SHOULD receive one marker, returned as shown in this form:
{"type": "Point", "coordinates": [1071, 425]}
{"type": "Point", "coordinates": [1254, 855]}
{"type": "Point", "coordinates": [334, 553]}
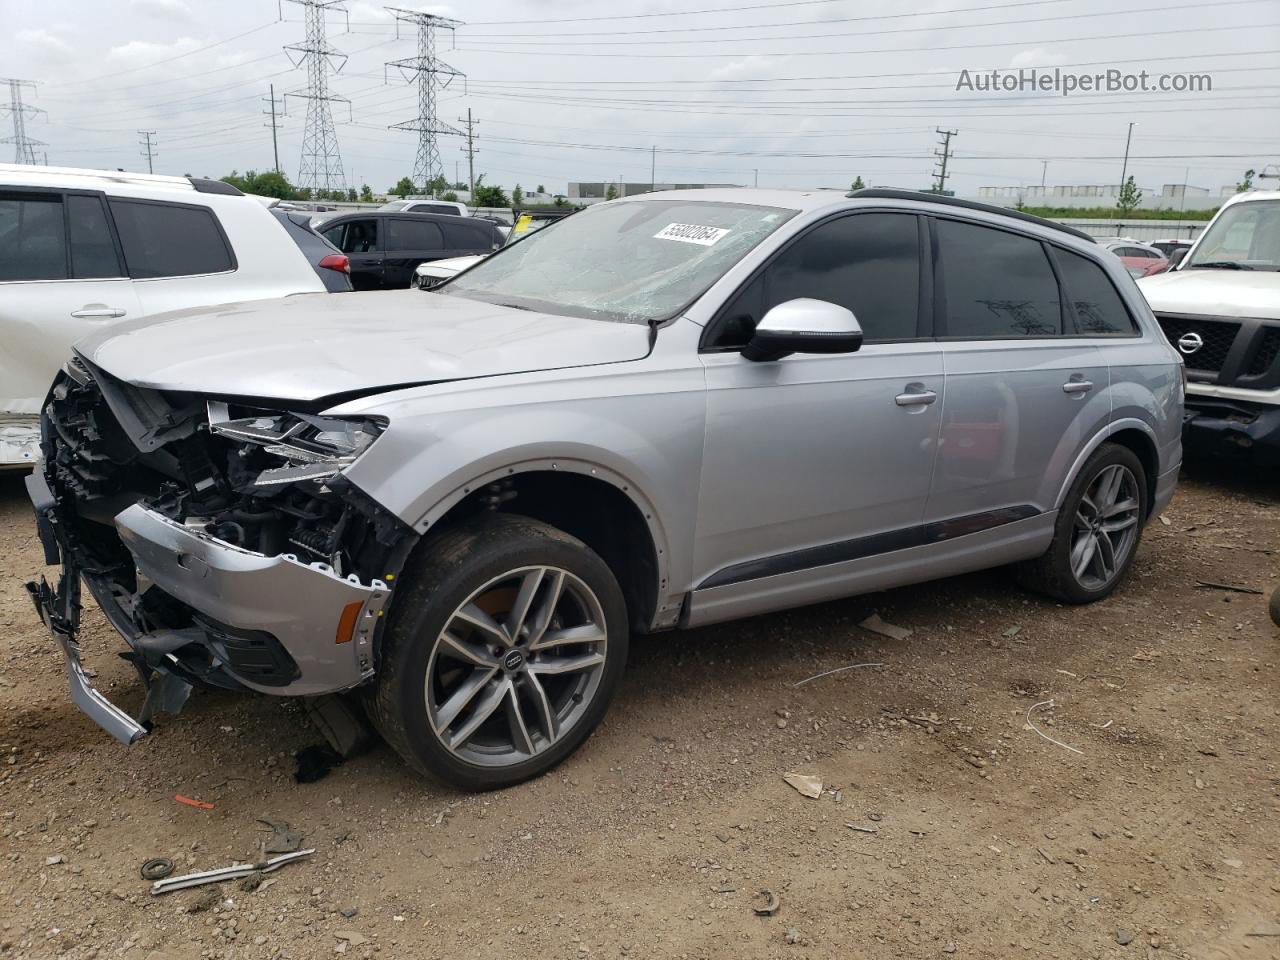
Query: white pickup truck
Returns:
{"type": "Point", "coordinates": [1220, 306]}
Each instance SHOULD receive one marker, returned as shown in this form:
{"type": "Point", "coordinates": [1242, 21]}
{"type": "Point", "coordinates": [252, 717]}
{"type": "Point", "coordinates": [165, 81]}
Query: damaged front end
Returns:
{"type": "Point", "coordinates": [218, 536]}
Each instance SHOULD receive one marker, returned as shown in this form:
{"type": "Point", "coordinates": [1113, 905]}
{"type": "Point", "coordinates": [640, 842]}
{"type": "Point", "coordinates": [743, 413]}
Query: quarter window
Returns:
{"type": "Point", "coordinates": [996, 284]}
{"type": "Point", "coordinates": [33, 242]}
{"type": "Point", "coordinates": [1094, 305]}
{"type": "Point", "coordinates": [354, 236]}
{"type": "Point", "coordinates": [868, 262]}
{"type": "Point", "coordinates": [168, 240]}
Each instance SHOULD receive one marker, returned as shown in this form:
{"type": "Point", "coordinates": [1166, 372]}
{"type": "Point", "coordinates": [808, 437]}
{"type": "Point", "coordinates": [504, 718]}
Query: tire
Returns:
{"type": "Point", "coordinates": [448, 657]}
{"type": "Point", "coordinates": [1107, 566]}
{"type": "Point", "coordinates": [1274, 608]}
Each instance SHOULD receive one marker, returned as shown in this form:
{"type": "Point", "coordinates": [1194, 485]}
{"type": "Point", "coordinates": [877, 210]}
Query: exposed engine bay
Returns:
{"type": "Point", "coordinates": [237, 483]}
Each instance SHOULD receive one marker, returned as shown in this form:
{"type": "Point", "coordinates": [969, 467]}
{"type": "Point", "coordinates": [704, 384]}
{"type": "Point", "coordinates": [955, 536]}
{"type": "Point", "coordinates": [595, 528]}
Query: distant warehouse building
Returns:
{"type": "Point", "coordinates": [590, 192]}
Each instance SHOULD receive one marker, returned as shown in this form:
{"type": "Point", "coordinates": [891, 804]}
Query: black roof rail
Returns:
{"type": "Point", "coordinates": [881, 193]}
{"type": "Point", "coordinates": [215, 186]}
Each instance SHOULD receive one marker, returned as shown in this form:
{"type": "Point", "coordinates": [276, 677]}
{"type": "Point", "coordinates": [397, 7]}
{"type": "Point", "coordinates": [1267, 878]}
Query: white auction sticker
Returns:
{"type": "Point", "coordinates": [691, 233]}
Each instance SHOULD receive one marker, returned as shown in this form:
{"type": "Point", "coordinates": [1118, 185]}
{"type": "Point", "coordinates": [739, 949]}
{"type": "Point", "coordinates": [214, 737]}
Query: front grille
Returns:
{"type": "Point", "coordinates": [1266, 353]}
{"type": "Point", "coordinates": [1218, 336]}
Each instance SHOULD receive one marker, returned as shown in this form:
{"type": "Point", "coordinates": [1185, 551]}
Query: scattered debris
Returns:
{"type": "Point", "coordinates": [807, 785]}
{"type": "Point", "coordinates": [827, 673]}
{"type": "Point", "coordinates": [1233, 863]}
{"type": "Point", "coordinates": [1124, 937]}
{"type": "Point", "coordinates": [157, 868]}
{"type": "Point", "coordinates": [1044, 853]}
{"type": "Point", "coordinates": [233, 872]}
{"type": "Point", "coordinates": [1013, 631]}
{"type": "Point", "coordinates": [1232, 588]}
{"type": "Point", "coordinates": [283, 839]}
{"type": "Point", "coordinates": [206, 901]}
{"type": "Point", "coordinates": [342, 722]}
{"type": "Point", "coordinates": [770, 906]}
{"type": "Point", "coordinates": [792, 935]}
{"type": "Point", "coordinates": [353, 938]}
{"type": "Point", "coordinates": [875, 817]}
{"type": "Point", "coordinates": [53, 861]}
{"type": "Point", "coordinates": [854, 826]}
{"type": "Point", "coordinates": [1165, 520]}
{"type": "Point", "coordinates": [1265, 929]}
{"type": "Point", "coordinates": [348, 912]}
{"type": "Point", "coordinates": [251, 883]}
{"type": "Point", "coordinates": [892, 631]}
{"type": "Point", "coordinates": [1034, 728]}
{"type": "Point", "coordinates": [198, 804]}
{"type": "Point", "coordinates": [315, 762]}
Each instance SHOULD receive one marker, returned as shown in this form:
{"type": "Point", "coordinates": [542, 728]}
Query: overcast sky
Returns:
{"type": "Point", "coordinates": [577, 90]}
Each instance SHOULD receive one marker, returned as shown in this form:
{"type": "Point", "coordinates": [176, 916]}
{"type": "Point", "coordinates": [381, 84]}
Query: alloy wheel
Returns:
{"type": "Point", "coordinates": [516, 666]}
{"type": "Point", "coordinates": [1106, 527]}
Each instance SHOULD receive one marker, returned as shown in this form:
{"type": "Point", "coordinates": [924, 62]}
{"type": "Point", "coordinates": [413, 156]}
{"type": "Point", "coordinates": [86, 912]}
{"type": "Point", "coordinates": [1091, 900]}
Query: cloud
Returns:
{"type": "Point", "coordinates": [749, 66]}
{"type": "Point", "coordinates": [42, 42]}
{"type": "Point", "coordinates": [1035, 57]}
{"type": "Point", "coordinates": [170, 9]}
{"type": "Point", "coordinates": [144, 52]}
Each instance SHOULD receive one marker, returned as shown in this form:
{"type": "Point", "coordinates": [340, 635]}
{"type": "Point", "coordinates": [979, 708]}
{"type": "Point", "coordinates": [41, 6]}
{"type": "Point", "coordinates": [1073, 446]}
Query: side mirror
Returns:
{"type": "Point", "coordinates": [1176, 256]}
{"type": "Point", "coordinates": [803, 326]}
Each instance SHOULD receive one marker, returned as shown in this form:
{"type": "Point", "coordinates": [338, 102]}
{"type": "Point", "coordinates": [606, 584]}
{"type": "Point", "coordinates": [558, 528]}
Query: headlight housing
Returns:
{"type": "Point", "coordinates": [310, 447]}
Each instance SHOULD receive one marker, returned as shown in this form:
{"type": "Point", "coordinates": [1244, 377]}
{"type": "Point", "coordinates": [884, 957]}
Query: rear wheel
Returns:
{"type": "Point", "coordinates": [1097, 531]}
{"type": "Point", "coordinates": [507, 641]}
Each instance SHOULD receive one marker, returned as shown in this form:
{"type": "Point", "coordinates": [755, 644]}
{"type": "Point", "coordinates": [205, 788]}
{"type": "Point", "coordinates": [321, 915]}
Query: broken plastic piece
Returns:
{"type": "Point", "coordinates": [199, 804]}
{"type": "Point", "coordinates": [233, 872]}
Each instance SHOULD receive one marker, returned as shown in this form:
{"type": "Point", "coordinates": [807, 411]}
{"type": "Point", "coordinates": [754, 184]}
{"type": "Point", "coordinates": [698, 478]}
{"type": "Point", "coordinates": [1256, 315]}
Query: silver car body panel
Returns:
{"type": "Point", "coordinates": [300, 604]}
{"type": "Point", "coordinates": [732, 464]}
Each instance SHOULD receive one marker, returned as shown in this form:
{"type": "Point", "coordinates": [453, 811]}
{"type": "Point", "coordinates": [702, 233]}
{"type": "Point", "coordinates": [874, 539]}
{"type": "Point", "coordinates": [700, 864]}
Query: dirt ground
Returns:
{"type": "Point", "coordinates": [1152, 829]}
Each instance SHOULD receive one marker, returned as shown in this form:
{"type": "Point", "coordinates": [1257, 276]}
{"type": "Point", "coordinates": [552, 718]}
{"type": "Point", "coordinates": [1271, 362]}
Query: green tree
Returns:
{"type": "Point", "coordinates": [366, 194]}
{"type": "Point", "coordinates": [612, 192]}
{"type": "Point", "coordinates": [490, 196]}
{"type": "Point", "coordinates": [436, 185]}
{"type": "Point", "coordinates": [450, 196]}
{"type": "Point", "coordinates": [561, 201]}
{"type": "Point", "coordinates": [1247, 182]}
{"type": "Point", "coordinates": [1130, 197]}
{"type": "Point", "coordinates": [857, 184]}
{"type": "Point", "coordinates": [403, 188]}
{"type": "Point", "coordinates": [517, 195]}
{"type": "Point", "coordinates": [265, 184]}
{"type": "Point", "coordinates": [541, 188]}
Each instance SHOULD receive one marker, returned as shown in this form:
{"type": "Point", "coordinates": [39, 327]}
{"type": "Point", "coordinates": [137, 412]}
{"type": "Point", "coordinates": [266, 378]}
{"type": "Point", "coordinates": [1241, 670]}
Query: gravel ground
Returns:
{"type": "Point", "coordinates": [1151, 829]}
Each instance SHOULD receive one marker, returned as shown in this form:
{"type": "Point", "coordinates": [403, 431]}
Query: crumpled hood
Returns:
{"type": "Point", "coordinates": [316, 345]}
{"type": "Point", "coordinates": [1215, 293]}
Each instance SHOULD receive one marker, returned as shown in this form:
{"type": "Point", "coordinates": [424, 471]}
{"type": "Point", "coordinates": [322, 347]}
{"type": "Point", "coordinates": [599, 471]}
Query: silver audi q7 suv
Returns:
{"type": "Point", "coordinates": [663, 411]}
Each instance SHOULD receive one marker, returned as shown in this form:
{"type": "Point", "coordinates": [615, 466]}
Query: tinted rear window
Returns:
{"type": "Point", "coordinates": [414, 235]}
{"type": "Point", "coordinates": [33, 242]}
{"type": "Point", "coordinates": [93, 252]}
{"type": "Point", "coordinates": [169, 240]}
{"type": "Point", "coordinates": [1096, 307]}
{"type": "Point", "coordinates": [468, 236]}
{"type": "Point", "coordinates": [996, 284]}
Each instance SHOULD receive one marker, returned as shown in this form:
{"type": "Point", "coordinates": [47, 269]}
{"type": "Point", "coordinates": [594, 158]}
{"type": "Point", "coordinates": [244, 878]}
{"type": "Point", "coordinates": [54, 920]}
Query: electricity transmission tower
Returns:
{"type": "Point", "coordinates": [148, 147]}
{"type": "Point", "coordinates": [426, 71]}
{"type": "Point", "coordinates": [321, 165]}
{"type": "Point", "coordinates": [23, 145]}
{"type": "Point", "coordinates": [945, 155]}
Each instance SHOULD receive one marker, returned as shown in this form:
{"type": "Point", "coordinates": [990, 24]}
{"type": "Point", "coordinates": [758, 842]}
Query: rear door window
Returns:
{"type": "Point", "coordinates": [354, 236]}
{"type": "Point", "coordinates": [995, 284]}
{"type": "Point", "coordinates": [1094, 305]}
{"type": "Point", "coordinates": [93, 251]}
{"type": "Point", "coordinates": [466, 236]}
{"type": "Point", "coordinates": [414, 235]}
{"type": "Point", "coordinates": [33, 240]}
{"type": "Point", "coordinates": [169, 239]}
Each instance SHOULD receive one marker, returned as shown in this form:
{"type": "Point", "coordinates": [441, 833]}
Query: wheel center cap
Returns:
{"type": "Point", "coordinates": [513, 661]}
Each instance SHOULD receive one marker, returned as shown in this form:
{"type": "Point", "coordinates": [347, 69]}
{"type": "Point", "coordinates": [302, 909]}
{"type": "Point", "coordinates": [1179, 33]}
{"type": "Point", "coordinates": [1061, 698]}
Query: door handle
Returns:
{"type": "Point", "coordinates": [1075, 387]}
{"type": "Point", "coordinates": [921, 398]}
{"type": "Point", "coordinates": [98, 313]}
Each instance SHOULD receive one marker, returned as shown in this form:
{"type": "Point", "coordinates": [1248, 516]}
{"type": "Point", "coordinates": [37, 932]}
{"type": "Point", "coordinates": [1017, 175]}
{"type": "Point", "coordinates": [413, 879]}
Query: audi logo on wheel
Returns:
{"type": "Point", "coordinates": [1189, 343]}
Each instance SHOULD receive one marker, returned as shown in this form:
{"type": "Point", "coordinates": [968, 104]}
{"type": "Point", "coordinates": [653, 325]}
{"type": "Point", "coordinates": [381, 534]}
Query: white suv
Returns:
{"type": "Point", "coordinates": [80, 249]}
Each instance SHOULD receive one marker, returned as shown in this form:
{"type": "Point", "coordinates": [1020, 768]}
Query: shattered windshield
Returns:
{"type": "Point", "coordinates": [1245, 236]}
{"type": "Point", "coordinates": [631, 262]}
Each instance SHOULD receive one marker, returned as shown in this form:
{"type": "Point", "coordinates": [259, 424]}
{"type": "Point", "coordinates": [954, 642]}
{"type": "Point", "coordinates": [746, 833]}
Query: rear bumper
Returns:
{"type": "Point", "coordinates": [1235, 428]}
{"type": "Point", "coordinates": [268, 613]}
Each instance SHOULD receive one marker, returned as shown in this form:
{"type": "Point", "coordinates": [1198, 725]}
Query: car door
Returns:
{"type": "Point", "coordinates": [409, 242]}
{"type": "Point", "coordinates": [814, 460]}
{"type": "Point", "coordinates": [61, 278]}
{"type": "Point", "coordinates": [1024, 392]}
{"type": "Point", "coordinates": [359, 239]}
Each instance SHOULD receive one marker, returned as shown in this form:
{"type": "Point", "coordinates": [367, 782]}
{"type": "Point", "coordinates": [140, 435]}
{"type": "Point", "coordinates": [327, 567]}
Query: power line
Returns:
{"type": "Point", "coordinates": [148, 147]}
{"type": "Point", "coordinates": [320, 167]}
{"type": "Point", "coordinates": [23, 145]}
{"type": "Point", "coordinates": [425, 70]}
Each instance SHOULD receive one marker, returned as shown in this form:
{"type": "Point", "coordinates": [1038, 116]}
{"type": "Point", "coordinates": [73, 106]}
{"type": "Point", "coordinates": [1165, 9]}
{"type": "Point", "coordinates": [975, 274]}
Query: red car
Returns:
{"type": "Point", "coordinates": [1138, 258]}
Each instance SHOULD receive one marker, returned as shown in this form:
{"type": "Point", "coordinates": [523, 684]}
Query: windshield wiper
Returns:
{"type": "Point", "coordinates": [1222, 265]}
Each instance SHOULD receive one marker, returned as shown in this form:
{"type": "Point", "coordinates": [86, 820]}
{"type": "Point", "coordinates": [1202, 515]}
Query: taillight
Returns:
{"type": "Point", "coordinates": [336, 261]}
